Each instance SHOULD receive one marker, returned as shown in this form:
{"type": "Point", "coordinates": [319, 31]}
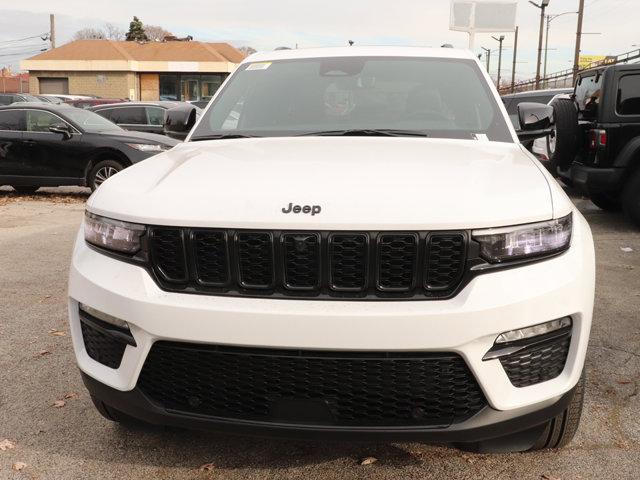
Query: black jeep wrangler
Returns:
{"type": "Point", "coordinates": [597, 142]}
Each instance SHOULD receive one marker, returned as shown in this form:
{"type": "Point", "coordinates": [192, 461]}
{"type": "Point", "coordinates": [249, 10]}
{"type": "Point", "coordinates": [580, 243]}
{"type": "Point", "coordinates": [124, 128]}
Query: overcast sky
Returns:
{"type": "Point", "coordinates": [266, 24]}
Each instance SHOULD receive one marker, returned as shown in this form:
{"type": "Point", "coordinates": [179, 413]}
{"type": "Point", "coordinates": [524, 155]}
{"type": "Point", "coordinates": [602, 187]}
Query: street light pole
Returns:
{"type": "Point", "coordinates": [550, 18]}
{"type": "Point", "coordinates": [500, 39]}
{"type": "Point", "coordinates": [543, 5]}
{"type": "Point", "coordinates": [515, 56]}
{"type": "Point", "coordinates": [487, 52]}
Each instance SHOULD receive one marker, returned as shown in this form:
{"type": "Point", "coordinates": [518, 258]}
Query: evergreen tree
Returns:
{"type": "Point", "coordinates": [136, 31]}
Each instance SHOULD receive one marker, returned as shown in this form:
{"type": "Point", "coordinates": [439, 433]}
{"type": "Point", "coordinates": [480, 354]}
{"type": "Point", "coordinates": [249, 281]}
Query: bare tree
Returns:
{"type": "Point", "coordinates": [156, 33]}
{"type": "Point", "coordinates": [246, 51]}
{"type": "Point", "coordinates": [89, 33]}
{"type": "Point", "coordinates": [113, 32]}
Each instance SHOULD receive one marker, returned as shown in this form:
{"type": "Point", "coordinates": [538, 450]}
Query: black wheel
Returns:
{"type": "Point", "coordinates": [560, 430]}
{"type": "Point", "coordinates": [114, 415]}
{"type": "Point", "coordinates": [101, 171]}
{"type": "Point", "coordinates": [606, 201]}
{"type": "Point", "coordinates": [631, 198]}
{"type": "Point", "coordinates": [25, 189]}
{"type": "Point", "coordinates": [562, 147]}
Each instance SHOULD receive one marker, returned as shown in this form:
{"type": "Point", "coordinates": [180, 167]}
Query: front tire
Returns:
{"type": "Point", "coordinates": [560, 430]}
{"type": "Point", "coordinates": [606, 201]}
{"type": "Point", "coordinates": [102, 171]}
{"type": "Point", "coordinates": [631, 198]}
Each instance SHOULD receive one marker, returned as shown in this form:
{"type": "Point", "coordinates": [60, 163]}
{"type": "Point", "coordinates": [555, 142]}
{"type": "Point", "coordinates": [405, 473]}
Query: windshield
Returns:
{"type": "Point", "coordinates": [436, 97]}
{"type": "Point", "coordinates": [90, 122]}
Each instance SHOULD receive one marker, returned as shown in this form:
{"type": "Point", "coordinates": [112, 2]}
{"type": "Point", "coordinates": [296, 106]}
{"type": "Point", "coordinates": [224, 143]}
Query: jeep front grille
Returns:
{"type": "Point", "coordinates": [333, 388]}
{"type": "Point", "coordinates": [308, 264]}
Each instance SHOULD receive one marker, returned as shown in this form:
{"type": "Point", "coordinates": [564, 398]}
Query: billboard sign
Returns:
{"type": "Point", "coordinates": [475, 16]}
{"type": "Point", "coordinates": [587, 61]}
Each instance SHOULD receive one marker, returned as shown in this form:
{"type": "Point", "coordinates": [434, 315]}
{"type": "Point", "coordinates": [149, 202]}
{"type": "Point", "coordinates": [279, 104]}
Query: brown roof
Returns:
{"type": "Point", "coordinates": [151, 51]}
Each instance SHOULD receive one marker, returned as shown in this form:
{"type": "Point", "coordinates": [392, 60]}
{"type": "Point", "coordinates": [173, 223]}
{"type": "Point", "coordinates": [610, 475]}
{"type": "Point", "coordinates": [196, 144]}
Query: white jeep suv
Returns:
{"type": "Point", "coordinates": [353, 243]}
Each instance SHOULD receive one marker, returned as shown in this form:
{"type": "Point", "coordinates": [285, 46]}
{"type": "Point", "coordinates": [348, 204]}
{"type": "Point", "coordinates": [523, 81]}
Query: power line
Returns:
{"type": "Point", "coordinates": [2, 48]}
{"type": "Point", "coordinates": [41, 35]}
{"type": "Point", "coordinates": [20, 54]}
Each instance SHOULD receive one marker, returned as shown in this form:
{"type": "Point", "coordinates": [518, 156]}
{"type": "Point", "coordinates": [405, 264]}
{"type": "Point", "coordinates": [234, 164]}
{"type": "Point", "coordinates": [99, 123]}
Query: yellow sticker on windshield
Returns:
{"type": "Point", "coordinates": [259, 66]}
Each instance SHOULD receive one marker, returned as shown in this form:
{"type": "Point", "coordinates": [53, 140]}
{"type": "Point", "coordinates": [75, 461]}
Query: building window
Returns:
{"type": "Point", "coordinates": [190, 87]}
{"type": "Point", "coordinates": [209, 85]}
{"type": "Point", "coordinates": [169, 87]}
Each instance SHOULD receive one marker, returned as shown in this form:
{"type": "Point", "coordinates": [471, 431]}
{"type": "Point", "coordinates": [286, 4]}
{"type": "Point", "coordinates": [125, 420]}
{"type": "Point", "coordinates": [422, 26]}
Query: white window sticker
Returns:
{"type": "Point", "coordinates": [481, 137]}
{"type": "Point", "coordinates": [259, 66]}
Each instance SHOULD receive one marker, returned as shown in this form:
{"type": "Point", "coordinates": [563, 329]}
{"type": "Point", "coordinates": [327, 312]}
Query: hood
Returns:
{"type": "Point", "coordinates": [141, 137]}
{"type": "Point", "coordinates": [373, 183]}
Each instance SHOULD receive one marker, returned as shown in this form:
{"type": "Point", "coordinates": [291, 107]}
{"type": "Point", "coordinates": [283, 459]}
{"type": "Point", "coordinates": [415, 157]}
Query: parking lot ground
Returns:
{"type": "Point", "coordinates": [71, 441]}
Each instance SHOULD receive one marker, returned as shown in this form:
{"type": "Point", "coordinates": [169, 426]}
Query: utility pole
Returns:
{"type": "Point", "coordinates": [543, 5]}
{"type": "Point", "coordinates": [515, 56]}
{"type": "Point", "coordinates": [546, 48]}
{"type": "Point", "coordinates": [576, 56]}
{"type": "Point", "coordinates": [52, 30]}
{"type": "Point", "coordinates": [500, 39]}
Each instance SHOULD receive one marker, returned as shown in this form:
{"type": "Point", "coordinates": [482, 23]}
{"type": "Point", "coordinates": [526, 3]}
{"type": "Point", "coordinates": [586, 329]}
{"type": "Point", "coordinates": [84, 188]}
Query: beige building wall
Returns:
{"type": "Point", "coordinates": [103, 84]}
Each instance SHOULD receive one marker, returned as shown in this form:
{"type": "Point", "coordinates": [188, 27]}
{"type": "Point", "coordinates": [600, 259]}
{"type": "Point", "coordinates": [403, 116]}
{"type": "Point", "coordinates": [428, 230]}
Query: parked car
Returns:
{"type": "Point", "coordinates": [512, 100]}
{"type": "Point", "coordinates": [365, 249]}
{"type": "Point", "coordinates": [92, 102]}
{"type": "Point", "coordinates": [9, 98]}
{"type": "Point", "coordinates": [49, 99]}
{"type": "Point", "coordinates": [67, 97]}
{"type": "Point", "coordinates": [43, 144]}
{"type": "Point", "coordinates": [598, 139]}
{"type": "Point", "coordinates": [138, 116]}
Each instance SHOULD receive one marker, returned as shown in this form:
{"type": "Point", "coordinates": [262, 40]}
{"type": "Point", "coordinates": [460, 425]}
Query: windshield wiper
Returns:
{"type": "Point", "coordinates": [222, 136]}
{"type": "Point", "coordinates": [366, 132]}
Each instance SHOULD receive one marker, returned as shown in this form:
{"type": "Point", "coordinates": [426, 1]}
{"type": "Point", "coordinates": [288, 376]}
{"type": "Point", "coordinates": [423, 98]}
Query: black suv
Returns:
{"type": "Point", "coordinates": [42, 144]}
{"type": "Point", "coordinates": [598, 137]}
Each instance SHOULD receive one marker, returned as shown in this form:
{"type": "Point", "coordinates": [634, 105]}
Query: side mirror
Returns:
{"type": "Point", "coordinates": [536, 120]}
{"type": "Point", "coordinates": [179, 121]}
{"type": "Point", "coordinates": [62, 128]}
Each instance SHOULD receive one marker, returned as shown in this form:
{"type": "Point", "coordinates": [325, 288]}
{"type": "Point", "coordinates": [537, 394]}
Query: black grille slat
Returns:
{"type": "Point", "coordinates": [397, 262]}
{"type": "Point", "coordinates": [211, 253]}
{"type": "Point", "coordinates": [348, 262]}
{"type": "Point", "coordinates": [101, 347]}
{"type": "Point", "coordinates": [349, 388]}
{"type": "Point", "coordinates": [301, 256]}
{"type": "Point", "coordinates": [537, 363]}
{"type": "Point", "coordinates": [445, 260]}
{"type": "Point", "coordinates": [168, 254]}
{"type": "Point", "coordinates": [255, 259]}
{"type": "Point", "coordinates": [312, 264]}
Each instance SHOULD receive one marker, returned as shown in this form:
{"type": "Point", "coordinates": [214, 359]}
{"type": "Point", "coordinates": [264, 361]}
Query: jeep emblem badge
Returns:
{"type": "Point", "coordinates": [312, 209]}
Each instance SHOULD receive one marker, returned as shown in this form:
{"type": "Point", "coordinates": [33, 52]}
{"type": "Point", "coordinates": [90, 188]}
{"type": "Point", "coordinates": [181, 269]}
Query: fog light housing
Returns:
{"type": "Point", "coordinates": [105, 317]}
{"type": "Point", "coordinates": [534, 331]}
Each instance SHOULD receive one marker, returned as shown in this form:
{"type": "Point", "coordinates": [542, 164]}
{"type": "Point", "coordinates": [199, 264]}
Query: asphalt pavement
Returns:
{"type": "Point", "coordinates": [50, 430]}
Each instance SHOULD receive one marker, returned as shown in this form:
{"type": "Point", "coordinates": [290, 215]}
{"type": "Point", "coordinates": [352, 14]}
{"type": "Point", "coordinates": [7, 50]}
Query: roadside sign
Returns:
{"type": "Point", "coordinates": [475, 16]}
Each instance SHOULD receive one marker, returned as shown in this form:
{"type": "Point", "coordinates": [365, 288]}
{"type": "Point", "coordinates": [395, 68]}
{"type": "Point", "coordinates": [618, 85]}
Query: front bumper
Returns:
{"type": "Point", "coordinates": [467, 324]}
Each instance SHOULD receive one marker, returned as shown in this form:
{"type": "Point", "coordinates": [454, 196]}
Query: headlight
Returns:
{"type": "Point", "coordinates": [148, 147]}
{"type": "Point", "coordinates": [112, 234]}
{"type": "Point", "coordinates": [524, 241]}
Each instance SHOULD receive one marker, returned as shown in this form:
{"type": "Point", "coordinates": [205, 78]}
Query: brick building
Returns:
{"type": "Point", "coordinates": [171, 70]}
